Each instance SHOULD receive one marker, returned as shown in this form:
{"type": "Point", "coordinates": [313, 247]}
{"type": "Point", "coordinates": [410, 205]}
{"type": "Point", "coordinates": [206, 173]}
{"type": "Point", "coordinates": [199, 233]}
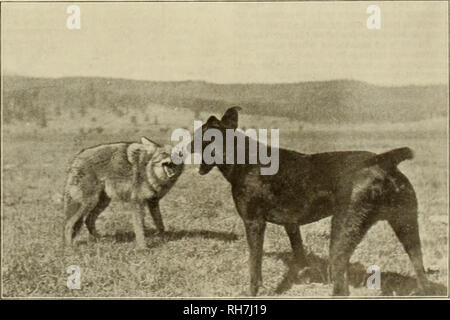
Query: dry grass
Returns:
{"type": "Point", "coordinates": [205, 251]}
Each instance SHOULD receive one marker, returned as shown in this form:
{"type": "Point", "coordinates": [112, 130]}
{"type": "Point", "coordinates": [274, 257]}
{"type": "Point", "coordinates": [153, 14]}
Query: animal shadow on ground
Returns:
{"type": "Point", "coordinates": [392, 284]}
{"type": "Point", "coordinates": [172, 235]}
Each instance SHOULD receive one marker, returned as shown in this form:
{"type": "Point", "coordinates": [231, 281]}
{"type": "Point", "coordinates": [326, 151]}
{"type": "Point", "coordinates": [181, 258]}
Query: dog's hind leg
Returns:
{"type": "Point", "coordinates": [402, 215]}
{"type": "Point", "coordinates": [102, 204]}
{"type": "Point", "coordinates": [295, 238]}
{"type": "Point", "coordinates": [347, 230]}
{"type": "Point", "coordinates": [403, 218]}
{"type": "Point", "coordinates": [407, 230]}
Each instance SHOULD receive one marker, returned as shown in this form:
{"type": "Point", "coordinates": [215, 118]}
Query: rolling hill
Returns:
{"type": "Point", "coordinates": [337, 101]}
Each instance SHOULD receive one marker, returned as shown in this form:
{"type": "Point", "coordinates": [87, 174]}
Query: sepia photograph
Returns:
{"type": "Point", "coordinates": [232, 150]}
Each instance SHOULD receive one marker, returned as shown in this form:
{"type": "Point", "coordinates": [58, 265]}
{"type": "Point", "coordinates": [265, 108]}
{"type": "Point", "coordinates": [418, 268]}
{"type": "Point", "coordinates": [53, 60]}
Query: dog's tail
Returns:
{"type": "Point", "coordinates": [390, 159]}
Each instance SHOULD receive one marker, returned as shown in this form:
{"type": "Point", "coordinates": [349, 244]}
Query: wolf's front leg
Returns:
{"type": "Point", "coordinates": [138, 224]}
{"type": "Point", "coordinates": [153, 206]}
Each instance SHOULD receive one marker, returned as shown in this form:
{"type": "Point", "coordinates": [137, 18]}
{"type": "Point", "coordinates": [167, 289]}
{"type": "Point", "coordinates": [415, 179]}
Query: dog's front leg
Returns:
{"type": "Point", "coordinates": [138, 224]}
{"type": "Point", "coordinates": [153, 207]}
{"type": "Point", "coordinates": [255, 236]}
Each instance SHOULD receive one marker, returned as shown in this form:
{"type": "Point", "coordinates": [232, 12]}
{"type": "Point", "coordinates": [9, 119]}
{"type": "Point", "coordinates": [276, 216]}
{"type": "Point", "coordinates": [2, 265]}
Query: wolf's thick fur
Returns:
{"type": "Point", "coordinates": [141, 173]}
{"type": "Point", "coordinates": [356, 188]}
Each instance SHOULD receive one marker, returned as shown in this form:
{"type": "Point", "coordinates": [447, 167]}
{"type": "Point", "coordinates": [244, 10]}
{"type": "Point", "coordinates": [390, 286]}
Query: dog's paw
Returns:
{"type": "Point", "coordinates": [247, 293]}
{"type": "Point", "coordinates": [243, 293]}
{"type": "Point", "coordinates": [423, 290]}
{"type": "Point", "coordinates": [263, 291]}
{"type": "Point", "coordinates": [253, 292]}
{"type": "Point", "coordinates": [164, 236]}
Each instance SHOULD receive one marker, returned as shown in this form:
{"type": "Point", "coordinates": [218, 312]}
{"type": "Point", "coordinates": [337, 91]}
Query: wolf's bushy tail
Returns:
{"type": "Point", "coordinates": [390, 159]}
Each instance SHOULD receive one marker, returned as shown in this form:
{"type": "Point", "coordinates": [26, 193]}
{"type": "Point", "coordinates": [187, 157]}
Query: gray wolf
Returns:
{"type": "Point", "coordinates": [356, 188]}
{"type": "Point", "coordinates": [140, 173]}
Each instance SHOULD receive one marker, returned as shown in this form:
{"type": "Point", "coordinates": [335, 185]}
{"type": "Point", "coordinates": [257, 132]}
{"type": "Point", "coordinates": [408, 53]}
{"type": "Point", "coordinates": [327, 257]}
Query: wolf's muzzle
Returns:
{"type": "Point", "coordinates": [170, 168]}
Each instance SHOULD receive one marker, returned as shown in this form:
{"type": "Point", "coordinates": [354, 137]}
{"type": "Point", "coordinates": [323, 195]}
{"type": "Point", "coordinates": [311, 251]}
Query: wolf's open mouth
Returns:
{"type": "Point", "coordinates": [169, 169]}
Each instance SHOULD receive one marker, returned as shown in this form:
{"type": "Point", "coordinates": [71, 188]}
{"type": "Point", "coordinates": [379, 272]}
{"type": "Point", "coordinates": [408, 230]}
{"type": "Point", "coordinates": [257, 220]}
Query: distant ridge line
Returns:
{"type": "Point", "coordinates": [330, 101]}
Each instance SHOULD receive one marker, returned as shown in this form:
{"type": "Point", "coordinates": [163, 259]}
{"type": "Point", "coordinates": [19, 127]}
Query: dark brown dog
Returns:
{"type": "Point", "coordinates": [356, 188]}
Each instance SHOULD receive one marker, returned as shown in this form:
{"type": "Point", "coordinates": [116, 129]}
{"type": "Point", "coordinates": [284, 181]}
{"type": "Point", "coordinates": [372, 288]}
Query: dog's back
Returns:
{"type": "Point", "coordinates": [307, 186]}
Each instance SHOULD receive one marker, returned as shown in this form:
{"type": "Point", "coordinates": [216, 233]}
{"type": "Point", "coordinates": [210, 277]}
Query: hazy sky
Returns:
{"type": "Point", "coordinates": [230, 42]}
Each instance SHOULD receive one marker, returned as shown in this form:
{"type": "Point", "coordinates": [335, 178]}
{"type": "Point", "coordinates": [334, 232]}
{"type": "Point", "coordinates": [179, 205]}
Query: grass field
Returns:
{"type": "Point", "coordinates": [204, 252]}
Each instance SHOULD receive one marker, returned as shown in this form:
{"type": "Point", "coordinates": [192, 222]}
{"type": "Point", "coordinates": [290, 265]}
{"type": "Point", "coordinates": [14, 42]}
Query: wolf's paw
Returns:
{"type": "Point", "coordinates": [310, 275]}
{"type": "Point", "coordinates": [140, 250]}
{"type": "Point", "coordinates": [93, 238]}
{"type": "Point", "coordinates": [141, 247]}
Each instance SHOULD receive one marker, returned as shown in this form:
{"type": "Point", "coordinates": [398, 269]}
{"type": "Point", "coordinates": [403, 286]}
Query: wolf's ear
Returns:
{"type": "Point", "coordinates": [230, 118]}
{"type": "Point", "coordinates": [134, 152]}
{"type": "Point", "coordinates": [147, 142]}
{"type": "Point", "coordinates": [138, 151]}
{"type": "Point", "coordinates": [149, 145]}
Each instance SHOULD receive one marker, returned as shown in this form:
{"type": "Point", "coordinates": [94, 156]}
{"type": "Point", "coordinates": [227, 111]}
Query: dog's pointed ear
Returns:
{"type": "Point", "coordinates": [213, 122]}
{"type": "Point", "coordinates": [230, 118]}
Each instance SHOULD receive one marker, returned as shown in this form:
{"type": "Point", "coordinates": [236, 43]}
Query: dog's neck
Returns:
{"type": "Point", "coordinates": [228, 171]}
